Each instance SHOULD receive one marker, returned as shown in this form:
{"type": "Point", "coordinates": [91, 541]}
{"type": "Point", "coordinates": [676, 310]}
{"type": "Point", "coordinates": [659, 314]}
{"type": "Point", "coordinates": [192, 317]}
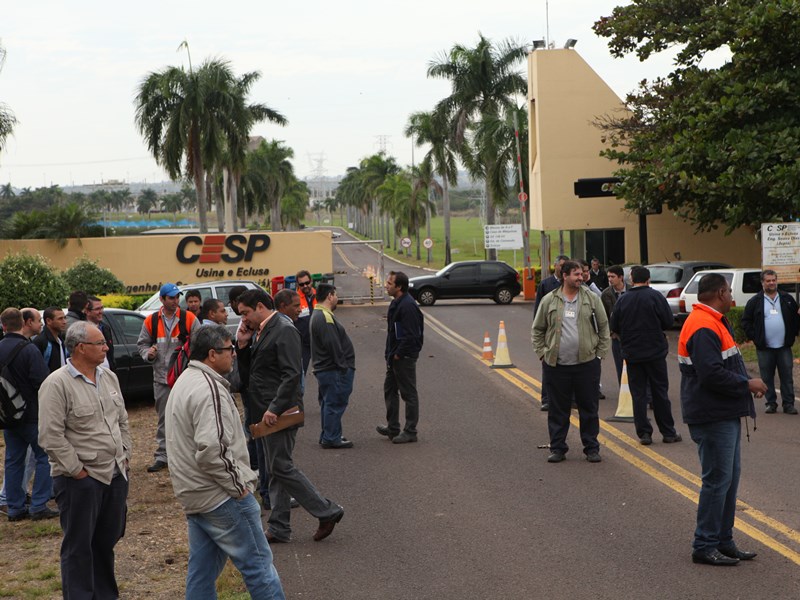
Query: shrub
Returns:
{"type": "Point", "coordinates": [27, 280]}
{"type": "Point", "coordinates": [87, 276]}
{"type": "Point", "coordinates": [735, 318]}
{"type": "Point", "coordinates": [122, 301]}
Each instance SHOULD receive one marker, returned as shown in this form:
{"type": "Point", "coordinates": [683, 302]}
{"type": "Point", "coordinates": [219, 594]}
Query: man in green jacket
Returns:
{"type": "Point", "coordinates": [570, 335]}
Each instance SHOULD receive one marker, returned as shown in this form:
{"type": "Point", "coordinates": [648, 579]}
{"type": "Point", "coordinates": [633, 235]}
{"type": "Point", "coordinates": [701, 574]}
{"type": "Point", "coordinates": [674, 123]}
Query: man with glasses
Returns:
{"type": "Point", "coordinates": [83, 427]}
{"type": "Point", "coordinates": [211, 476]}
{"type": "Point", "coordinates": [94, 314]}
{"type": "Point", "coordinates": [162, 333]}
{"type": "Point", "coordinates": [308, 301]}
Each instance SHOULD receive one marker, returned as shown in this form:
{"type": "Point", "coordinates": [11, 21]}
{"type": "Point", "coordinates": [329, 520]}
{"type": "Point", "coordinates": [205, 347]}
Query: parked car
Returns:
{"type": "Point", "coordinates": [468, 279]}
{"type": "Point", "coordinates": [135, 374]}
{"type": "Point", "coordinates": [670, 278]}
{"type": "Point", "coordinates": [745, 283]}
{"type": "Point", "coordinates": [210, 289]}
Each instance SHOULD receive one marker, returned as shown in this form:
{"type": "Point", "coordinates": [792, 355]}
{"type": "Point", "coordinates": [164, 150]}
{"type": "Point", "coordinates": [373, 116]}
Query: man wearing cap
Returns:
{"type": "Point", "coordinates": [162, 333]}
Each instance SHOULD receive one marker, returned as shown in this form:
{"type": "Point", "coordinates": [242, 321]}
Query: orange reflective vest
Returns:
{"type": "Point", "coordinates": [305, 311]}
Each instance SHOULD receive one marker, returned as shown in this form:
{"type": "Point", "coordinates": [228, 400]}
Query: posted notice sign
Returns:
{"type": "Point", "coordinates": [780, 250]}
{"type": "Point", "coordinates": [502, 237]}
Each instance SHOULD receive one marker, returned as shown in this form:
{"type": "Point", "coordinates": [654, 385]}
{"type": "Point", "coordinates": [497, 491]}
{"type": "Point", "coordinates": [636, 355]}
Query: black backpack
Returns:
{"type": "Point", "coordinates": [12, 404]}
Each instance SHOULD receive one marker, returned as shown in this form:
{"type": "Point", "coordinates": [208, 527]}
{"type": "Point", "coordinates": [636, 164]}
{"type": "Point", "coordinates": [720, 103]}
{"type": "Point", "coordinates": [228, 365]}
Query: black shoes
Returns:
{"type": "Point", "coordinates": [672, 439]}
{"type": "Point", "coordinates": [386, 432]}
{"type": "Point", "coordinates": [405, 438]}
{"type": "Point", "coordinates": [771, 409]}
{"type": "Point", "coordinates": [545, 407]}
{"type": "Point", "coordinates": [20, 517]}
{"type": "Point", "coordinates": [343, 443]}
{"type": "Point", "coordinates": [713, 557]}
{"type": "Point", "coordinates": [734, 552]}
{"type": "Point", "coordinates": [646, 439]}
{"type": "Point", "coordinates": [789, 409]}
{"type": "Point", "coordinates": [326, 527]}
{"type": "Point", "coordinates": [157, 466]}
{"type": "Point", "coordinates": [556, 457]}
{"type": "Point", "coordinates": [594, 457]}
{"type": "Point", "coordinates": [47, 513]}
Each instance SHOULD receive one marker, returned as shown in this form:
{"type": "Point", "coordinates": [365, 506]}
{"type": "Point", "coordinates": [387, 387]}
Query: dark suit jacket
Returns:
{"type": "Point", "coordinates": [273, 368]}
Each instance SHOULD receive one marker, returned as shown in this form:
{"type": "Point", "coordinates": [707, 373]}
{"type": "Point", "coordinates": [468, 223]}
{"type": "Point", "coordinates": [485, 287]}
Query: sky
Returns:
{"type": "Point", "coordinates": [346, 74]}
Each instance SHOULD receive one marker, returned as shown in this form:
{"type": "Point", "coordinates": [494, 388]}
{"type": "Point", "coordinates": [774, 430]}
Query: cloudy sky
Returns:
{"type": "Point", "coordinates": [346, 74]}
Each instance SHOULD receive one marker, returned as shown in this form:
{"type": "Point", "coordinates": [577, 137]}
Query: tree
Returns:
{"type": "Point", "coordinates": [30, 281]}
{"type": "Point", "coordinates": [432, 128]}
{"type": "Point", "coordinates": [172, 203]}
{"type": "Point", "coordinates": [7, 192]}
{"type": "Point", "coordinates": [718, 146]}
{"type": "Point", "coordinates": [267, 175]}
{"type": "Point", "coordinates": [294, 204]}
{"type": "Point", "coordinates": [87, 275]}
{"type": "Point", "coordinates": [484, 81]}
{"type": "Point", "coordinates": [146, 201]}
{"type": "Point", "coordinates": [7, 118]}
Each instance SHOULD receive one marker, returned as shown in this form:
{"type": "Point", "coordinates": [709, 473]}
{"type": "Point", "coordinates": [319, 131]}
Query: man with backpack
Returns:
{"type": "Point", "coordinates": [26, 371]}
{"type": "Point", "coordinates": [164, 332]}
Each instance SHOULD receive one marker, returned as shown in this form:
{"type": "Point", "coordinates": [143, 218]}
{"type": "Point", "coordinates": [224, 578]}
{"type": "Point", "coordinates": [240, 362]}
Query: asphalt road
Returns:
{"type": "Point", "coordinates": [474, 511]}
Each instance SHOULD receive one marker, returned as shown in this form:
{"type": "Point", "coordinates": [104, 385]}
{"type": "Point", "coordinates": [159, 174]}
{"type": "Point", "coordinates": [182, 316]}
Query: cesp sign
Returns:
{"type": "Point", "coordinates": [211, 249]}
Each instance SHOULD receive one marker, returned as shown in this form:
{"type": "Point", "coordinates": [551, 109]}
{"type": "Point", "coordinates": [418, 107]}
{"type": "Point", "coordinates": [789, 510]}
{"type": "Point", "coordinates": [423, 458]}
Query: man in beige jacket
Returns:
{"type": "Point", "coordinates": [83, 427]}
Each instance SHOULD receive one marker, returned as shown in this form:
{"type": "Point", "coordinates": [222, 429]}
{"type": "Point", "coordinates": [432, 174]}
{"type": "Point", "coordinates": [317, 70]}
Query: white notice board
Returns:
{"type": "Point", "coordinates": [780, 250]}
{"type": "Point", "coordinates": [502, 237]}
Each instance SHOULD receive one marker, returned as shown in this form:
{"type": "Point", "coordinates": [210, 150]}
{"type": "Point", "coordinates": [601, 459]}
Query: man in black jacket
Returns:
{"type": "Point", "coordinates": [270, 364]}
{"type": "Point", "coordinates": [94, 314]}
{"type": "Point", "coordinates": [403, 343]}
{"type": "Point", "coordinates": [28, 370]}
{"type": "Point", "coordinates": [51, 341]}
{"type": "Point", "coordinates": [639, 318]}
{"type": "Point", "coordinates": [770, 319]}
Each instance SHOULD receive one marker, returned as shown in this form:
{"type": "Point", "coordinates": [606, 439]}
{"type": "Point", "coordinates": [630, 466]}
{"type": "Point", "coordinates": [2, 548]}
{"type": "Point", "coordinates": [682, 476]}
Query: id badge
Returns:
{"type": "Point", "coordinates": [569, 314]}
{"type": "Point", "coordinates": [773, 311]}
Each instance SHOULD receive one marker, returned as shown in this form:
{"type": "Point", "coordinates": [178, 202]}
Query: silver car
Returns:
{"type": "Point", "coordinates": [670, 278]}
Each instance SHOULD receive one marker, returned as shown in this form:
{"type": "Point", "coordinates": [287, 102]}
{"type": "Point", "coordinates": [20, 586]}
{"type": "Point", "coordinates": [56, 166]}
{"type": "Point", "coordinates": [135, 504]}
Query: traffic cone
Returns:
{"type": "Point", "coordinates": [502, 360]}
{"type": "Point", "coordinates": [624, 412]}
{"type": "Point", "coordinates": [487, 347]}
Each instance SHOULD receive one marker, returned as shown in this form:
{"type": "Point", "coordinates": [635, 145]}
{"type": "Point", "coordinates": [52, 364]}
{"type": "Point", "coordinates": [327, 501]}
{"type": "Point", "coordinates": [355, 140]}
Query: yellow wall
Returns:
{"type": "Point", "coordinates": [565, 98]}
{"type": "Point", "coordinates": [144, 263]}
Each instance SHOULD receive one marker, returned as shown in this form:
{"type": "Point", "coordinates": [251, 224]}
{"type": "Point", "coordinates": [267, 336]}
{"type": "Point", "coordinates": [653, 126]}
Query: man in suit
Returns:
{"type": "Point", "coordinates": [271, 366]}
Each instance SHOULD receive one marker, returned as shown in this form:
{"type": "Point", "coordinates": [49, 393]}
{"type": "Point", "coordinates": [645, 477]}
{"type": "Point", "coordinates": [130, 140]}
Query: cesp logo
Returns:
{"type": "Point", "coordinates": [216, 248]}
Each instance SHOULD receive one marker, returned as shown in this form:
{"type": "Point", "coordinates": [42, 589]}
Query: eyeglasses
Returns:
{"type": "Point", "coordinates": [220, 350]}
{"type": "Point", "coordinates": [303, 283]}
{"type": "Point", "coordinates": [100, 343]}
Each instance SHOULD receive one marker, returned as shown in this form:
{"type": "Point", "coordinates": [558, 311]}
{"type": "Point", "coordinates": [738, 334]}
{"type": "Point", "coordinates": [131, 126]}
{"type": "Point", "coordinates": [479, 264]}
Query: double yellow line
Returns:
{"type": "Point", "coordinates": [749, 520]}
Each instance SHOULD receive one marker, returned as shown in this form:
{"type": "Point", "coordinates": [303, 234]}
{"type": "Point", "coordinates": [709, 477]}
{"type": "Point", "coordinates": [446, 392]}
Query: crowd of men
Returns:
{"type": "Point", "coordinates": [73, 440]}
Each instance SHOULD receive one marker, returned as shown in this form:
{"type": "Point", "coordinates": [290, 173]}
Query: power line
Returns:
{"type": "Point", "coordinates": [71, 164]}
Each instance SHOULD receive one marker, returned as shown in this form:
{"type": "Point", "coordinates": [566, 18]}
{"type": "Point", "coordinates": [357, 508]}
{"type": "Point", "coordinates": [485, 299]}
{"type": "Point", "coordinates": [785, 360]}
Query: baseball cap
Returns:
{"type": "Point", "coordinates": [170, 289]}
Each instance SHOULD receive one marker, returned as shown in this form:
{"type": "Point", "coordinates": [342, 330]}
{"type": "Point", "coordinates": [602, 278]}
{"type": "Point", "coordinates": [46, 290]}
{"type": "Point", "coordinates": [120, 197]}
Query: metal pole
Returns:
{"type": "Point", "coordinates": [526, 242]}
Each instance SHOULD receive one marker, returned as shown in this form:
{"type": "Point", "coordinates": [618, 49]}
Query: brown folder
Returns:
{"type": "Point", "coordinates": [290, 418]}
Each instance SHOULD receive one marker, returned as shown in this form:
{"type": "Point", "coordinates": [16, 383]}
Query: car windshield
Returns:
{"type": "Point", "coordinates": [693, 284]}
{"type": "Point", "coordinates": [665, 274]}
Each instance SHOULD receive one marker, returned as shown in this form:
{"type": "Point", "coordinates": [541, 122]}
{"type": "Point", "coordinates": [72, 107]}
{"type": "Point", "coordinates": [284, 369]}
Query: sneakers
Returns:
{"type": "Point", "coordinates": [789, 409]}
{"type": "Point", "coordinates": [671, 439]}
{"type": "Point", "coordinates": [556, 457]}
{"type": "Point", "coordinates": [646, 439]}
{"type": "Point", "coordinates": [594, 457]}
{"type": "Point", "coordinates": [47, 513]}
{"type": "Point", "coordinates": [405, 438]}
{"type": "Point", "coordinates": [545, 407]}
{"type": "Point", "coordinates": [19, 517]}
{"type": "Point", "coordinates": [771, 409]}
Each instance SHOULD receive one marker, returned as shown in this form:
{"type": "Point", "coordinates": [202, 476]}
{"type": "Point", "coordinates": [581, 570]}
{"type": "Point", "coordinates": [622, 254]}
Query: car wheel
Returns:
{"type": "Point", "coordinates": [503, 295]}
{"type": "Point", "coordinates": [426, 297]}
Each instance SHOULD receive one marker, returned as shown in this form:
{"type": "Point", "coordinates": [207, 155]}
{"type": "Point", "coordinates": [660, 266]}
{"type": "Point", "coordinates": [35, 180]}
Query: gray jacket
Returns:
{"type": "Point", "coordinates": [165, 344]}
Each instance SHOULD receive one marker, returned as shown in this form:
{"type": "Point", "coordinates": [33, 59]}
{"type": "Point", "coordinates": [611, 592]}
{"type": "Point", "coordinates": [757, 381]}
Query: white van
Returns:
{"type": "Point", "coordinates": [745, 283]}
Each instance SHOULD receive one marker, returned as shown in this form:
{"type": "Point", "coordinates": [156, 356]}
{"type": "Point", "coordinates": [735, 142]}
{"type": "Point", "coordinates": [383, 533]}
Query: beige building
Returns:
{"type": "Point", "coordinates": [565, 97]}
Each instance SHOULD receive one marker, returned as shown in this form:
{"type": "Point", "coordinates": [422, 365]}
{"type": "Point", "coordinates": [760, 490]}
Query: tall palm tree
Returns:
{"type": "Point", "coordinates": [374, 171]}
{"type": "Point", "coordinates": [426, 185]}
{"type": "Point", "coordinates": [146, 201]}
{"type": "Point", "coordinates": [432, 128]}
{"type": "Point", "coordinates": [172, 203]}
{"type": "Point", "coordinates": [7, 192]}
{"type": "Point", "coordinates": [7, 118]}
{"type": "Point", "coordinates": [267, 175]}
{"type": "Point", "coordinates": [294, 204]}
{"type": "Point", "coordinates": [484, 81]}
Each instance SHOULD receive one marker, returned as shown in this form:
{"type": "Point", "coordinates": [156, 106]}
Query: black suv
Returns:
{"type": "Point", "coordinates": [469, 279]}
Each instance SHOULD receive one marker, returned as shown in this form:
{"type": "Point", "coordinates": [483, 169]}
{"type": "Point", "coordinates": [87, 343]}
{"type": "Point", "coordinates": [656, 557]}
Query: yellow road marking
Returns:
{"type": "Point", "coordinates": [520, 379]}
{"type": "Point", "coordinates": [345, 259]}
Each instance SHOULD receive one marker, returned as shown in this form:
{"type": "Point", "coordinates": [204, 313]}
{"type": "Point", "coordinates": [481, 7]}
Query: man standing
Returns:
{"type": "Point", "coordinates": [83, 426]}
{"type": "Point", "coordinates": [271, 363]}
{"type": "Point", "coordinates": [94, 314]}
{"type": "Point", "coordinates": [770, 319]}
{"type": "Point", "coordinates": [287, 302]}
{"type": "Point", "coordinates": [163, 332]}
{"type": "Point", "coordinates": [639, 319]}
{"type": "Point", "coordinates": [193, 300]}
{"type": "Point", "coordinates": [27, 370]}
{"type": "Point", "coordinates": [547, 285]}
{"type": "Point", "coordinates": [212, 312]}
{"type": "Point", "coordinates": [597, 275]}
{"type": "Point", "coordinates": [587, 280]}
{"type": "Point", "coordinates": [570, 337]}
{"type": "Point", "coordinates": [334, 362]}
{"type": "Point", "coordinates": [715, 395]}
{"type": "Point", "coordinates": [51, 341]}
{"type": "Point", "coordinates": [609, 297]}
{"type": "Point", "coordinates": [308, 301]}
{"type": "Point", "coordinates": [210, 473]}
{"type": "Point", "coordinates": [31, 323]}
{"type": "Point", "coordinates": [403, 344]}
{"type": "Point", "coordinates": [76, 309]}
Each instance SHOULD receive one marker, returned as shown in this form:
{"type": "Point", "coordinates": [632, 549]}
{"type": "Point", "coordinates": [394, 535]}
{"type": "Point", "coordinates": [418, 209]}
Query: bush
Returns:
{"type": "Point", "coordinates": [735, 317]}
{"type": "Point", "coordinates": [27, 280]}
{"type": "Point", "coordinates": [121, 301]}
{"type": "Point", "coordinates": [87, 276]}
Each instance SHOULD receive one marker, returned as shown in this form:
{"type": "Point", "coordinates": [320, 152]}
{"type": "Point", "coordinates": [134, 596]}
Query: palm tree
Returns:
{"type": "Point", "coordinates": [432, 128]}
{"type": "Point", "coordinates": [350, 193]}
{"type": "Point", "coordinates": [146, 201]}
{"type": "Point", "coordinates": [7, 192]}
{"type": "Point", "coordinates": [425, 184]}
{"type": "Point", "coordinates": [375, 170]}
{"type": "Point", "coordinates": [267, 175]}
{"type": "Point", "coordinates": [67, 221]}
{"type": "Point", "coordinates": [172, 203]}
{"type": "Point", "coordinates": [7, 118]}
{"type": "Point", "coordinates": [484, 81]}
{"type": "Point", "coordinates": [294, 204]}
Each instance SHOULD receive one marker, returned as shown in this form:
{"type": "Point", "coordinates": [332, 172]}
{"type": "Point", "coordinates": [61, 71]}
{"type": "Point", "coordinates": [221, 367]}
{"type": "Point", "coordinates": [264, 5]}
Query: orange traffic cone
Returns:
{"type": "Point", "coordinates": [502, 359]}
{"type": "Point", "coordinates": [624, 412]}
{"type": "Point", "coordinates": [487, 347]}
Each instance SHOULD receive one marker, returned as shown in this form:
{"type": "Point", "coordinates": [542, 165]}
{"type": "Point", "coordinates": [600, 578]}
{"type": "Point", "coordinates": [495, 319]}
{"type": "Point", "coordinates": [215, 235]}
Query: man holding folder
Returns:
{"type": "Point", "coordinates": [270, 361]}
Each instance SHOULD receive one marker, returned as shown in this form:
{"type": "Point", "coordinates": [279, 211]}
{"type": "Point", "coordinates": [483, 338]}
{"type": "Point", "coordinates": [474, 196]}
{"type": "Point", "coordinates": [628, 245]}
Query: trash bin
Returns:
{"type": "Point", "coordinates": [291, 282]}
{"type": "Point", "coordinates": [316, 279]}
{"type": "Point", "coordinates": [278, 283]}
{"type": "Point", "coordinates": [328, 278]}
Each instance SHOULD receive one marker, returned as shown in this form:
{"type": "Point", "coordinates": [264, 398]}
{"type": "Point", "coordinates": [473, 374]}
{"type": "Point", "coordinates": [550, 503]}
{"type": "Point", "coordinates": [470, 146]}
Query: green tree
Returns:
{"type": "Point", "coordinates": [267, 175]}
{"type": "Point", "coordinates": [294, 204]}
{"type": "Point", "coordinates": [87, 275]}
{"type": "Point", "coordinates": [7, 118]}
{"type": "Point", "coordinates": [484, 81]}
{"type": "Point", "coordinates": [27, 280]}
{"type": "Point", "coordinates": [7, 192]}
{"type": "Point", "coordinates": [718, 146]}
{"type": "Point", "coordinates": [146, 201]}
{"type": "Point", "coordinates": [172, 203]}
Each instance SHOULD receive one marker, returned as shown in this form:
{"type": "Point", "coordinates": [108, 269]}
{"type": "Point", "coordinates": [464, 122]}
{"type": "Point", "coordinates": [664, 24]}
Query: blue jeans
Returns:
{"type": "Point", "coordinates": [18, 440]}
{"type": "Point", "coordinates": [718, 445]}
{"type": "Point", "coordinates": [335, 388]}
{"type": "Point", "coordinates": [768, 360]}
{"type": "Point", "coordinates": [30, 468]}
{"type": "Point", "coordinates": [232, 530]}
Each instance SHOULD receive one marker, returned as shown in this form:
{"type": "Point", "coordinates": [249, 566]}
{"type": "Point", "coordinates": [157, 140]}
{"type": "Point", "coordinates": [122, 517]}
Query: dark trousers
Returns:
{"type": "Point", "coordinates": [263, 471]}
{"type": "Point", "coordinates": [616, 352]}
{"type": "Point", "coordinates": [652, 374]}
{"type": "Point", "coordinates": [93, 520]}
{"type": "Point", "coordinates": [401, 380]}
{"type": "Point", "coordinates": [768, 360]}
{"type": "Point", "coordinates": [565, 382]}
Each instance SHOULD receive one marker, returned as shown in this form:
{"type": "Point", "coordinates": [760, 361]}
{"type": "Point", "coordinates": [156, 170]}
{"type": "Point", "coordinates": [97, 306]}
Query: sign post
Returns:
{"type": "Point", "coordinates": [502, 237]}
{"type": "Point", "coordinates": [780, 250]}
